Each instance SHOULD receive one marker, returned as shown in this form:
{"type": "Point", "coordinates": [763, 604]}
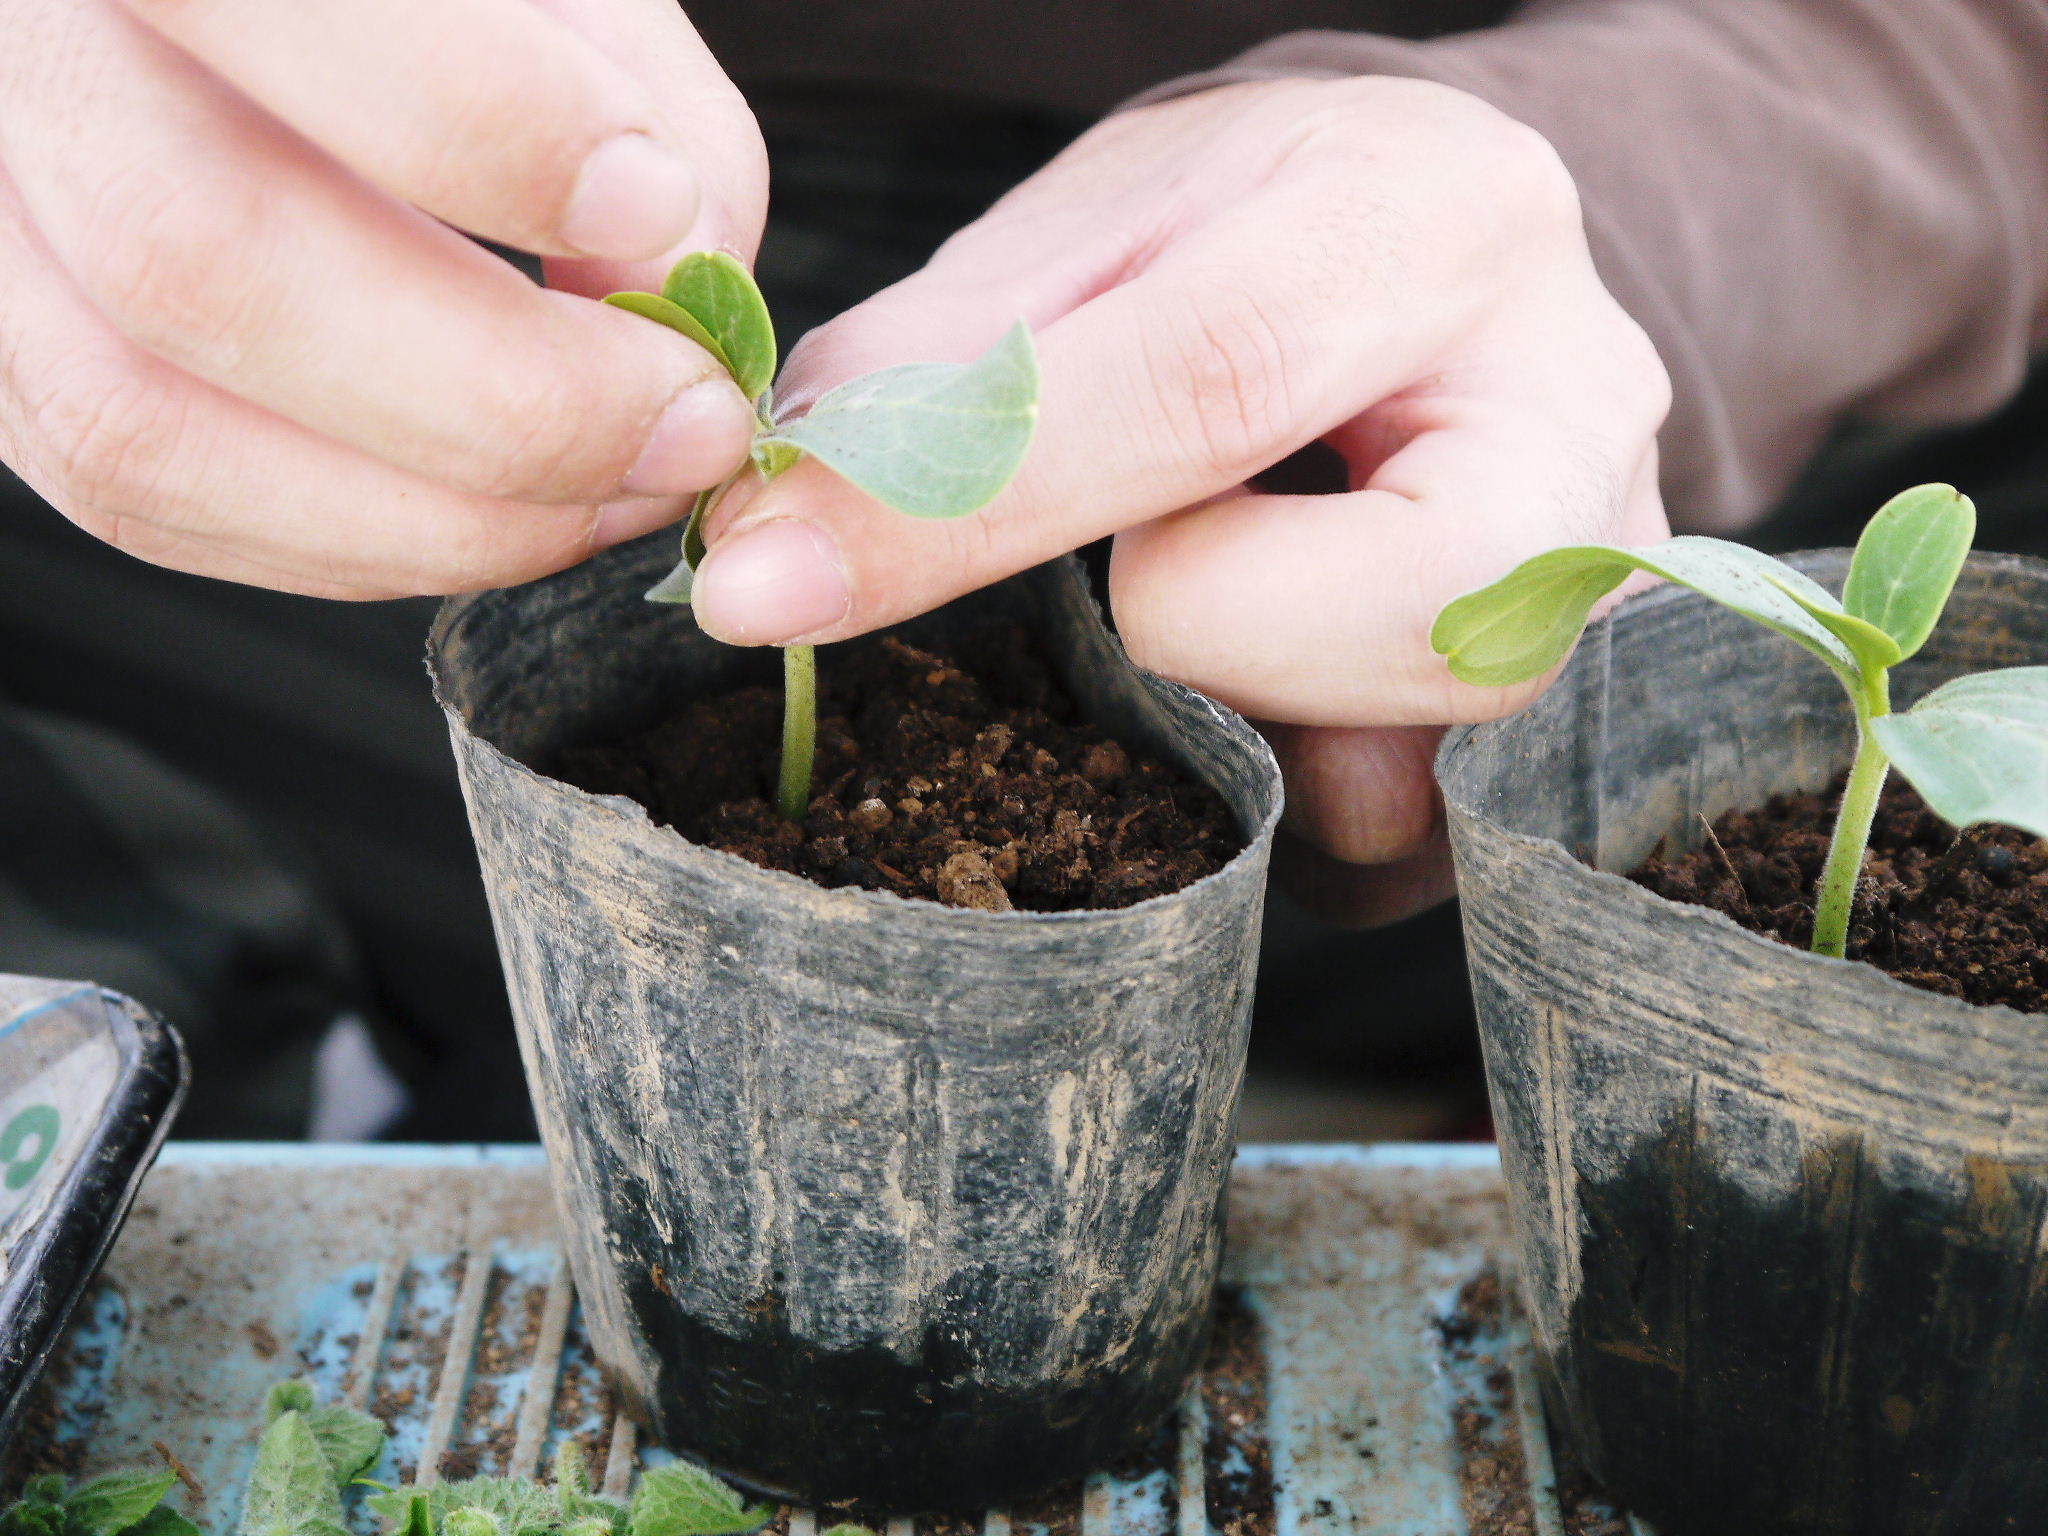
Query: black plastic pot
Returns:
{"type": "Point", "coordinates": [1781, 1217]}
{"type": "Point", "coordinates": [866, 1197]}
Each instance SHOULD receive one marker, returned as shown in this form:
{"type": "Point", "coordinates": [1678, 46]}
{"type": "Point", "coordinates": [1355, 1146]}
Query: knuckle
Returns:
{"type": "Point", "coordinates": [1644, 380]}
{"type": "Point", "coordinates": [470, 555]}
{"type": "Point", "coordinates": [153, 257]}
{"type": "Point", "coordinates": [534, 451]}
{"type": "Point", "coordinates": [104, 430]}
{"type": "Point", "coordinates": [1528, 169]}
{"type": "Point", "coordinates": [1220, 365]}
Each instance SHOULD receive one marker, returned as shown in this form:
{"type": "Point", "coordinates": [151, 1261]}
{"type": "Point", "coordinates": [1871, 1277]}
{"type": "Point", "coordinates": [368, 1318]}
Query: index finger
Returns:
{"type": "Point", "coordinates": [539, 140]}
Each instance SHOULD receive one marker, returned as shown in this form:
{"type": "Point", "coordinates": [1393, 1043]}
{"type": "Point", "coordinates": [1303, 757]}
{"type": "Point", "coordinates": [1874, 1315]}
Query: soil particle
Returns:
{"type": "Point", "coordinates": [1238, 1456]}
{"type": "Point", "coordinates": [1966, 917]}
{"type": "Point", "coordinates": [1493, 1477]}
{"type": "Point", "coordinates": [965, 778]}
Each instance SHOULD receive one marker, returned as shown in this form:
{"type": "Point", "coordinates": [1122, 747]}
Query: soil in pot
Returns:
{"type": "Point", "coordinates": [965, 777]}
{"type": "Point", "coordinates": [1965, 916]}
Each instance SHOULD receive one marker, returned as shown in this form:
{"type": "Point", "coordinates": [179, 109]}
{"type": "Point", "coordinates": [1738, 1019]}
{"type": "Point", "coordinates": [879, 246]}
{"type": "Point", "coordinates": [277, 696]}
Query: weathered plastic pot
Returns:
{"type": "Point", "coordinates": [865, 1197]}
{"type": "Point", "coordinates": [1781, 1218]}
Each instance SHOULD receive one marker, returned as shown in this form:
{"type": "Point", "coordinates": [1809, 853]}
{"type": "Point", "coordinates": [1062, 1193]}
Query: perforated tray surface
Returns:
{"type": "Point", "coordinates": [1368, 1378]}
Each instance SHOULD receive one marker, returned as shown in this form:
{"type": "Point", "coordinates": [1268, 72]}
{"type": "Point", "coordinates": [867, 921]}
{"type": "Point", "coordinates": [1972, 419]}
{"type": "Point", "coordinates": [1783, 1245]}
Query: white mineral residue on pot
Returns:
{"type": "Point", "coordinates": [1059, 1106]}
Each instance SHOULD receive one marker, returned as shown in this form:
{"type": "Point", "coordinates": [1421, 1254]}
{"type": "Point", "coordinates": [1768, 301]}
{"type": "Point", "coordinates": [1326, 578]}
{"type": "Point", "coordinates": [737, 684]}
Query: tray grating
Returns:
{"type": "Point", "coordinates": [1368, 1377]}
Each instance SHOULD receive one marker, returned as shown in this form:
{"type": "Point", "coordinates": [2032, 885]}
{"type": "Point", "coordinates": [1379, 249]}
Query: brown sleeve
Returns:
{"type": "Point", "coordinates": [1819, 209]}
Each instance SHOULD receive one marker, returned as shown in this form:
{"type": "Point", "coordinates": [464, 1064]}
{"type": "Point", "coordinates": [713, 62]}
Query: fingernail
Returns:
{"type": "Point", "coordinates": [633, 199]}
{"type": "Point", "coordinates": [771, 584]}
{"type": "Point", "coordinates": [700, 439]}
{"type": "Point", "coordinates": [618, 521]}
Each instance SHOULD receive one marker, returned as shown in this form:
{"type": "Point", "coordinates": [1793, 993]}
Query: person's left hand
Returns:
{"type": "Point", "coordinates": [1389, 266]}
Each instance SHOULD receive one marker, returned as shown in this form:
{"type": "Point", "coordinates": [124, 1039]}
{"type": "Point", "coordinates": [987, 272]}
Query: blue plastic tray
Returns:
{"type": "Point", "coordinates": [427, 1285]}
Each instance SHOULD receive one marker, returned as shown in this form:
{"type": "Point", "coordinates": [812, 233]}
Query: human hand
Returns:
{"type": "Point", "coordinates": [1386, 265]}
{"type": "Point", "coordinates": [237, 335]}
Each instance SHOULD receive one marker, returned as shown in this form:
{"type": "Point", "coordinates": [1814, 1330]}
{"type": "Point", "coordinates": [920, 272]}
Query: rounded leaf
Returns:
{"type": "Point", "coordinates": [720, 294]}
{"type": "Point", "coordinates": [1526, 623]}
{"type": "Point", "coordinates": [929, 439]}
{"type": "Point", "coordinates": [1977, 748]}
{"type": "Point", "coordinates": [1907, 562]}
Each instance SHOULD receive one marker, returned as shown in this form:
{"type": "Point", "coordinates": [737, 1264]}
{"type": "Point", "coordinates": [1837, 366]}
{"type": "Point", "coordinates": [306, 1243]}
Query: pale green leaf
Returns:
{"type": "Point", "coordinates": [848, 1530]}
{"type": "Point", "coordinates": [1977, 748]}
{"type": "Point", "coordinates": [109, 1504]}
{"type": "Point", "coordinates": [291, 1491]}
{"type": "Point", "coordinates": [1526, 623]}
{"type": "Point", "coordinates": [44, 1488]}
{"type": "Point", "coordinates": [350, 1441]}
{"type": "Point", "coordinates": [676, 586]}
{"type": "Point", "coordinates": [929, 439]}
{"type": "Point", "coordinates": [721, 294]}
{"type": "Point", "coordinates": [1907, 562]}
{"type": "Point", "coordinates": [680, 1499]}
{"type": "Point", "coordinates": [672, 315]}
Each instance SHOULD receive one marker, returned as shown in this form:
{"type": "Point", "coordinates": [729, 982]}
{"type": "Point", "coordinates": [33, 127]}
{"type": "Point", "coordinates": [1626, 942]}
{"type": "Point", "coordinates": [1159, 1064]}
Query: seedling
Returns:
{"type": "Point", "coordinates": [1976, 748]}
{"type": "Point", "coordinates": [934, 440]}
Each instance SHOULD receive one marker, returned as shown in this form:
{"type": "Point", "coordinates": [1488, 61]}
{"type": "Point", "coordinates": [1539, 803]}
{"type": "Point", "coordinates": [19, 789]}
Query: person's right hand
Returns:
{"type": "Point", "coordinates": [239, 337]}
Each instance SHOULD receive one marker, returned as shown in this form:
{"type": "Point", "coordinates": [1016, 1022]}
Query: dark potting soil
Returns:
{"type": "Point", "coordinates": [1968, 917]}
{"type": "Point", "coordinates": [965, 778]}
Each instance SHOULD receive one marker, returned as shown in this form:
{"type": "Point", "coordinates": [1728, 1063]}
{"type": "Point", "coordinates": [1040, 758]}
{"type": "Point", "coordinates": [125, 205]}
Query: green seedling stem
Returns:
{"type": "Point", "coordinates": [799, 730]}
{"type": "Point", "coordinates": [936, 440]}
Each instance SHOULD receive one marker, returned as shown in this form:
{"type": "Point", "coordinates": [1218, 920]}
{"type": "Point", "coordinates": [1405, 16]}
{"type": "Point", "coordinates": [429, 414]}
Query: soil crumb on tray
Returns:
{"type": "Point", "coordinates": [966, 778]}
{"type": "Point", "coordinates": [1966, 918]}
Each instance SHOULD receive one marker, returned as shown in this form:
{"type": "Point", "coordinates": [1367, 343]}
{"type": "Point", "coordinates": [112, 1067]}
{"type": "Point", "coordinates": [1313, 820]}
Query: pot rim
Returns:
{"type": "Point", "coordinates": [775, 882]}
{"type": "Point", "coordinates": [1621, 889]}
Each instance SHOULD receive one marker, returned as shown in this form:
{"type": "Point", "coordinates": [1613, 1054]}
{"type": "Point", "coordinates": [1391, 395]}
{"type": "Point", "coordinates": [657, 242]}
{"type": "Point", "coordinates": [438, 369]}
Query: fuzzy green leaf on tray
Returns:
{"type": "Point", "coordinates": [680, 1499]}
{"type": "Point", "coordinates": [292, 1489]}
{"type": "Point", "coordinates": [113, 1503]}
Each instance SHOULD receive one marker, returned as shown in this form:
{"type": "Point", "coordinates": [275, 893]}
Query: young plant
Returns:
{"type": "Point", "coordinates": [929, 439]}
{"type": "Point", "coordinates": [1976, 748]}
{"type": "Point", "coordinates": [309, 1457]}
{"type": "Point", "coordinates": [116, 1504]}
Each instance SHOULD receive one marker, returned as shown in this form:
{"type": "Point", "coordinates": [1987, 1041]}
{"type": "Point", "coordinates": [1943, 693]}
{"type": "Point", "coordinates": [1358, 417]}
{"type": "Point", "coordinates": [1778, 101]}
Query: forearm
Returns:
{"type": "Point", "coordinates": [1818, 210]}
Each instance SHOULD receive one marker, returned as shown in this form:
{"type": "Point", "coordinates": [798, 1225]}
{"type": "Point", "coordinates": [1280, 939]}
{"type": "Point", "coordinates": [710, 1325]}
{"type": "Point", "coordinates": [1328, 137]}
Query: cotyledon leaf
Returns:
{"type": "Point", "coordinates": [1907, 561]}
{"type": "Point", "coordinates": [1977, 748]}
{"type": "Point", "coordinates": [720, 293]}
{"type": "Point", "coordinates": [677, 585]}
{"type": "Point", "coordinates": [671, 314]}
{"type": "Point", "coordinates": [1525, 623]}
{"type": "Point", "coordinates": [929, 439]}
